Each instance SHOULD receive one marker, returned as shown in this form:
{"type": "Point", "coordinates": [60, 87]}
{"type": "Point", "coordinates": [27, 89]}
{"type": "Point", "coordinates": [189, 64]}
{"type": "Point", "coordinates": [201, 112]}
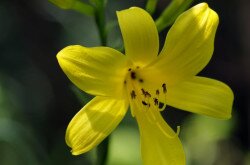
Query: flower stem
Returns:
{"type": "Point", "coordinates": [83, 8]}
{"type": "Point", "coordinates": [175, 8]}
{"type": "Point", "coordinates": [151, 5]}
{"type": "Point", "coordinates": [100, 21]}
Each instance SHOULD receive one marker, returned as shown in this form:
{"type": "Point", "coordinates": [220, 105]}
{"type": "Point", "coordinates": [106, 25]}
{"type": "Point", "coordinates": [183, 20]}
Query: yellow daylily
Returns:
{"type": "Point", "coordinates": [146, 82]}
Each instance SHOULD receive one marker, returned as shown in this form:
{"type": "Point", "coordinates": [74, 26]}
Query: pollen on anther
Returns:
{"type": "Point", "coordinates": [161, 104]}
{"type": "Point", "coordinates": [132, 94]}
{"type": "Point", "coordinates": [144, 103]}
{"type": "Point", "coordinates": [156, 101]}
{"type": "Point", "coordinates": [157, 92]}
{"type": "Point", "coordinates": [133, 75]}
{"type": "Point", "coordinates": [145, 93]}
{"type": "Point", "coordinates": [164, 87]}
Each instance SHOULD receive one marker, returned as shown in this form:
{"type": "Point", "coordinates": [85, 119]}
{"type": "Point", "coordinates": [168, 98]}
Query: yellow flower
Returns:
{"type": "Point", "coordinates": [146, 82]}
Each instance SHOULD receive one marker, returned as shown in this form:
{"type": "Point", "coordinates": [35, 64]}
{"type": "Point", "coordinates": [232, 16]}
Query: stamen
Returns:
{"type": "Point", "coordinates": [145, 100]}
{"type": "Point", "coordinates": [147, 94]}
{"type": "Point", "coordinates": [143, 91]}
{"type": "Point", "coordinates": [156, 101]}
{"type": "Point", "coordinates": [161, 105]}
{"type": "Point", "coordinates": [144, 103]}
{"type": "Point", "coordinates": [132, 94]}
{"type": "Point", "coordinates": [133, 75]}
{"type": "Point", "coordinates": [164, 87]}
{"type": "Point", "coordinates": [157, 92]}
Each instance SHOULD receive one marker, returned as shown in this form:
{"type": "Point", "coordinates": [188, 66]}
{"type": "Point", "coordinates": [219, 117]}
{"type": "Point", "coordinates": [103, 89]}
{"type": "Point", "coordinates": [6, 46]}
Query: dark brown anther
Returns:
{"type": "Point", "coordinates": [132, 94]}
{"type": "Point", "coordinates": [156, 101]}
{"type": "Point", "coordinates": [144, 103]}
{"type": "Point", "coordinates": [129, 69]}
{"type": "Point", "coordinates": [141, 80]}
{"type": "Point", "coordinates": [164, 87]}
{"type": "Point", "coordinates": [125, 82]}
{"type": "Point", "coordinates": [157, 92]}
{"type": "Point", "coordinates": [147, 94]}
{"type": "Point", "coordinates": [143, 91]}
{"type": "Point", "coordinates": [133, 75]}
{"type": "Point", "coordinates": [161, 104]}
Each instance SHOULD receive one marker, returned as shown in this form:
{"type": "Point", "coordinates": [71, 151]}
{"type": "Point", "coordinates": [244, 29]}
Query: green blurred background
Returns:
{"type": "Point", "coordinates": [37, 101]}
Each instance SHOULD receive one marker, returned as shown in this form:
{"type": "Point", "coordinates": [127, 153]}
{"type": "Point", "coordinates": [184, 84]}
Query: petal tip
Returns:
{"type": "Point", "coordinates": [75, 153]}
{"type": "Point", "coordinates": [62, 53]}
{"type": "Point", "coordinates": [68, 53]}
{"type": "Point", "coordinates": [67, 139]}
{"type": "Point", "coordinates": [203, 5]}
{"type": "Point", "coordinates": [201, 8]}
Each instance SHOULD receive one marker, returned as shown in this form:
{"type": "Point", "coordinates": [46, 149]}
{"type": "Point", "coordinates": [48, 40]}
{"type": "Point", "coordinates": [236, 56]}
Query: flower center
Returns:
{"type": "Point", "coordinates": [143, 94]}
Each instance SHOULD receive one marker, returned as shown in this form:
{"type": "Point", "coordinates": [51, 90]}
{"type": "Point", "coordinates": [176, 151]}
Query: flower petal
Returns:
{"type": "Point", "coordinates": [203, 96]}
{"type": "Point", "coordinates": [188, 47]}
{"type": "Point", "coordinates": [94, 122]}
{"type": "Point", "coordinates": [139, 34]}
{"type": "Point", "coordinates": [98, 70]}
{"type": "Point", "coordinates": [159, 143]}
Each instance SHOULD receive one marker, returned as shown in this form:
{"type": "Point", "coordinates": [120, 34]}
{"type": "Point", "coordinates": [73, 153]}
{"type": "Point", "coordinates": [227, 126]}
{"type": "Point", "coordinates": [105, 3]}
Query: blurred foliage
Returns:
{"type": "Point", "coordinates": [170, 13]}
{"type": "Point", "coordinates": [76, 5]}
{"type": "Point", "coordinates": [201, 136]}
{"type": "Point", "coordinates": [125, 144]}
{"type": "Point", "coordinates": [37, 102]}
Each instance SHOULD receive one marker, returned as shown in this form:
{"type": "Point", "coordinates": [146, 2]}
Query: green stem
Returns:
{"type": "Point", "coordinates": [100, 22]}
{"type": "Point", "coordinates": [75, 5]}
{"type": "Point", "coordinates": [83, 8]}
{"type": "Point", "coordinates": [175, 8]}
{"type": "Point", "coordinates": [151, 5]}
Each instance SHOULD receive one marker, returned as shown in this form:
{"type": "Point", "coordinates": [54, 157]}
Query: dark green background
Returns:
{"type": "Point", "coordinates": [37, 102]}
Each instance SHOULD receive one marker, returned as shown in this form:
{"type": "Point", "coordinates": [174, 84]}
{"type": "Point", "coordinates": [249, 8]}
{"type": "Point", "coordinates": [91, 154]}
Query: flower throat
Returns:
{"type": "Point", "coordinates": [140, 95]}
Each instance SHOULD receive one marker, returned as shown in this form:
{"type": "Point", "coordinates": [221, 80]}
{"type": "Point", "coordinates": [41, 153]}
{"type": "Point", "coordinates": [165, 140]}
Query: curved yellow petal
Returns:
{"type": "Point", "coordinates": [159, 143]}
{"type": "Point", "coordinates": [188, 47]}
{"type": "Point", "coordinates": [139, 34]}
{"type": "Point", "coordinates": [203, 96]}
{"type": "Point", "coordinates": [94, 122]}
{"type": "Point", "coordinates": [97, 70]}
